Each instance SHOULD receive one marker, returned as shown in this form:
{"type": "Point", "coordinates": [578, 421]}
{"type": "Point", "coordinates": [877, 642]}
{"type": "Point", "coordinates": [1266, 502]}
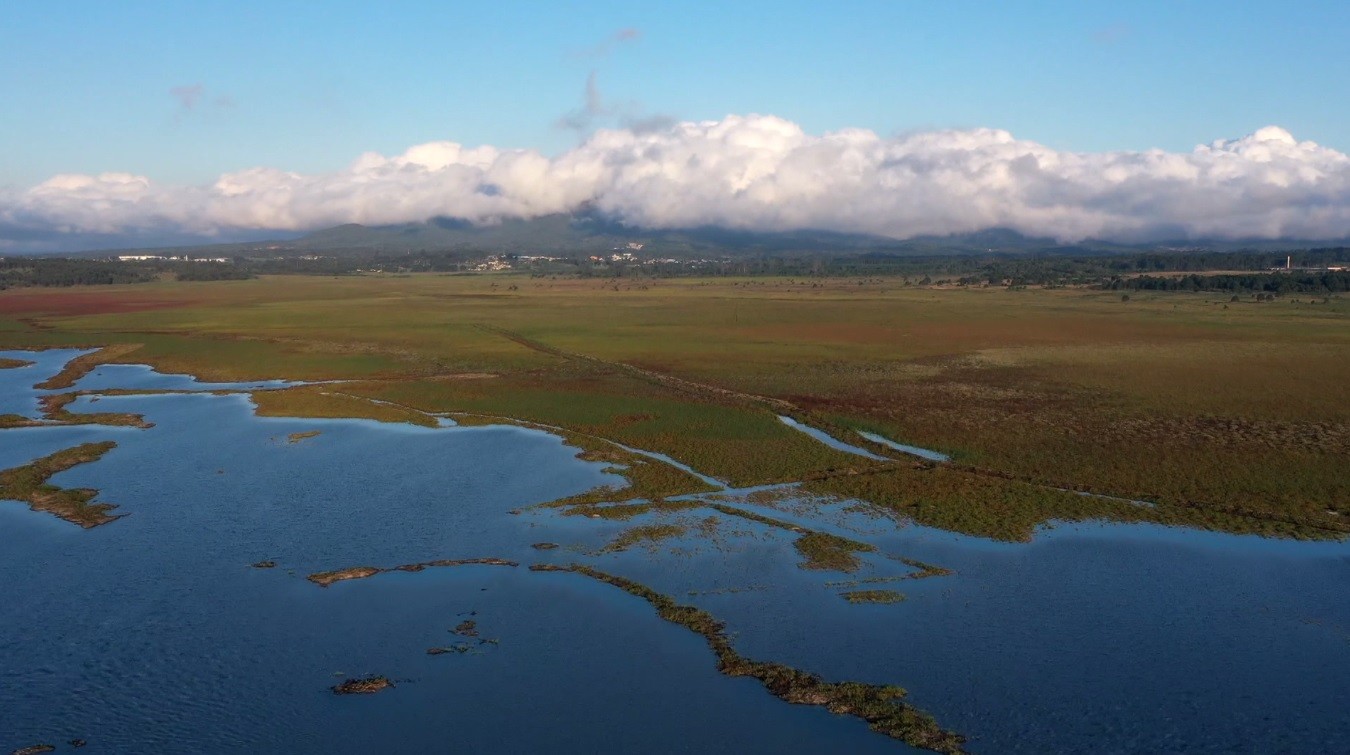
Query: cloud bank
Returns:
{"type": "Point", "coordinates": [745, 172]}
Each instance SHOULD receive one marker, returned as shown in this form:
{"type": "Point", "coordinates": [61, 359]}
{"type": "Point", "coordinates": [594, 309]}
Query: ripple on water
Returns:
{"type": "Point", "coordinates": [154, 632]}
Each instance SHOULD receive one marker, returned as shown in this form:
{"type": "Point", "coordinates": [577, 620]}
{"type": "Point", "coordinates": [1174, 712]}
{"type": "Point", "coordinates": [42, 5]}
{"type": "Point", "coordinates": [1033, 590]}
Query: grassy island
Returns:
{"type": "Point", "coordinates": [28, 483]}
{"type": "Point", "coordinates": [881, 706]}
{"type": "Point", "coordinates": [873, 596]}
{"type": "Point", "coordinates": [326, 578]}
{"type": "Point", "coordinates": [368, 685]}
{"type": "Point", "coordinates": [830, 552]}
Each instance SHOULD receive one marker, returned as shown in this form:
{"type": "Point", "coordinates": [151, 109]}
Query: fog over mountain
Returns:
{"type": "Point", "coordinates": [746, 173]}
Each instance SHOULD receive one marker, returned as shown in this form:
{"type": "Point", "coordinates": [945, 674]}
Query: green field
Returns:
{"type": "Point", "coordinates": [1227, 415]}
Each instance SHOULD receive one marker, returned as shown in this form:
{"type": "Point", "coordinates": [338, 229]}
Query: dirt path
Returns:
{"type": "Point", "coordinates": [670, 381]}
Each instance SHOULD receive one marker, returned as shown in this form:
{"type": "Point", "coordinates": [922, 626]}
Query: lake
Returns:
{"type": "Point", "coordinates": [155, 632]}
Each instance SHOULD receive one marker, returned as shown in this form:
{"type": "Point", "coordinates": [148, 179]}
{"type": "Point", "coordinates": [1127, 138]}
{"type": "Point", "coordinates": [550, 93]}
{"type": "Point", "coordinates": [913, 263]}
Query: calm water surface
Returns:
{"type": "Point", "coordinates": [17, 394]}
{"type": "Point", "coordinates": [154, 633]}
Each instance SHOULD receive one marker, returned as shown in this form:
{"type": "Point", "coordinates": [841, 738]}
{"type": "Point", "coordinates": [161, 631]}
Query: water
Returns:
{"type": "Point", "coordinates": [923, 453]}
{"type": "Point", "coordinates": [1093, 638]}
{"type": "Point", "coordinates": [705, 479]}
{"type": "Point", "coordinates": [144, 378]}
{"type": "Point", "coordinates": [17, 394]}
{"type": "Point", "coordinates": [829, 440]}
{"type": "Point", "coordinates": [154, 633]}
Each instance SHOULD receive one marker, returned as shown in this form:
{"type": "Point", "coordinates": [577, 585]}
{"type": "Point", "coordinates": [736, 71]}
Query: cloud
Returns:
{"type": "Point", "coordinates": [583, 119]}
{"type": "Point", "coordinates": [595, 110]}
{"type": "Point", "coordinates": [606, 47]}
{"type": "Point", "coordinates": [749, 172]}
{"type": "Point", "coordinates": [191, 98]}
{"type": "Point", "coordinates": [646, 124]}
{"type": "Point", "coordinates": [187, 95]}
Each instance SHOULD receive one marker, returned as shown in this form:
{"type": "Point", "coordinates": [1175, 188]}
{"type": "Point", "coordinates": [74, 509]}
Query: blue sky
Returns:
{"type": "Point", "coordinates": [136, 123]}
{"type": "Point", "coordinates": [86, 85]}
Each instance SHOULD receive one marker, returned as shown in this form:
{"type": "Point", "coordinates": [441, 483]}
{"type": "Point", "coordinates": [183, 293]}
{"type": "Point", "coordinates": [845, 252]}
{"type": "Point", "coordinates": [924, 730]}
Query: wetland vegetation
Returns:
{"type": "Point", "coordinates": [820, 550]}
{"type": "Point", "coordinates": [646, 534]}
{"type": "Point", "coordinates": [366, 685]}
{"type": "Point", "coordinates": [1230, 419]}
{"type": "Point", "coordinates": [54, 409]}
{"type": "Point", "coordinates": [873, 596]}
{"type": "Point", "coordinates": [54, 412]}
{"type": "Point", "coordinates": [82, 365]}
{"type": "Point", "coordinates": [326, 578]}
{"type": "Point", "coordinates": [28, 483]}
{"type": "Point", "coordinates": [881, 706]}
{"type": "Point", "coordinates": [1053, 405]}
{"type": "Point", "coordinates": [325, 402]}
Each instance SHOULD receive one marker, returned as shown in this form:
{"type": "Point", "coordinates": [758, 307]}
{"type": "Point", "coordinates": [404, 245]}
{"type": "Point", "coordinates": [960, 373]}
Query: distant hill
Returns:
{"type": "Point", "coordinates": [590, 233]}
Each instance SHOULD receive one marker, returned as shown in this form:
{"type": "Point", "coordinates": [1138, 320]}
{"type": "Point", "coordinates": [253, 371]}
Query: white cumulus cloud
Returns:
{"type": "Point", "coordinates": [754, 173]}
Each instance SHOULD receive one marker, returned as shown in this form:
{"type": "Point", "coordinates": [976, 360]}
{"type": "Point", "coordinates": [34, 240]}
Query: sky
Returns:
{"type": "Point", "coordinates": [153, 121]}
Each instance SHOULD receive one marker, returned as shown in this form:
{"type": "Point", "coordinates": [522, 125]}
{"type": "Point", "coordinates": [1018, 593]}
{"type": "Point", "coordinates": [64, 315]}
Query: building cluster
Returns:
{"type": "Point", "coordinates": [162, 258]}
{"type": "Point", "coordinates": [493, 263]}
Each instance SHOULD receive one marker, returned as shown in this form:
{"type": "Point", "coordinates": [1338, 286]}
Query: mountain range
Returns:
{"type": "Point", "coordinates": [588, 233]}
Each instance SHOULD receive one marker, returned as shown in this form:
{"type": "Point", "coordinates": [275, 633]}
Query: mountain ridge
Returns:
{"type": "Point", "coordinates": [589, 233]}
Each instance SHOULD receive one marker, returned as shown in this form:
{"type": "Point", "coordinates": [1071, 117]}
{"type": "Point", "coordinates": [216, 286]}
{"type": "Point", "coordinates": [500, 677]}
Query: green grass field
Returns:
{"type": "Point", "coordinates": [1230, 415]}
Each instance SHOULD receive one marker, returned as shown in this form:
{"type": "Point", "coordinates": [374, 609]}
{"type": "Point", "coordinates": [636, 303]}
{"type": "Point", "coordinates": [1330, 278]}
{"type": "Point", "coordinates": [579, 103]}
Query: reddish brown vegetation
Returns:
{"type": "Point", "coordinates": [74, 303]}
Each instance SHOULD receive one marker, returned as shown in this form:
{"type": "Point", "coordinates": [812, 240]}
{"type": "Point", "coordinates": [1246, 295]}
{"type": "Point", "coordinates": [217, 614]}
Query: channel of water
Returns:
{"type": "Point", "coordinates": [155, 632]}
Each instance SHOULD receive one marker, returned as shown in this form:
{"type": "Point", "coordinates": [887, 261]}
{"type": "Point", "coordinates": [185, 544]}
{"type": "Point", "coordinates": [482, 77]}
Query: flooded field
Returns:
{"type": "Point", "coordinates": [189, 624]}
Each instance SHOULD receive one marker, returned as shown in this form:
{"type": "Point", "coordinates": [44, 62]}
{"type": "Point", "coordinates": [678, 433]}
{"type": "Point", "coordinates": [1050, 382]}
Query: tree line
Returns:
{"type": "Point", "coordinates": [1142, 271]}
{"type": "Point", "coordinates": [21, 272]}
{"type": "Point", "coordinates": [1335, 281]}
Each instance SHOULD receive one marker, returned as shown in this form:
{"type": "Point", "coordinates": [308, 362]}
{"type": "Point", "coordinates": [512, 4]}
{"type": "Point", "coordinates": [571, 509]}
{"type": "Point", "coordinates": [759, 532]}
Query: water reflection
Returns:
{"type": "Point", "coordinates": [154, 632]}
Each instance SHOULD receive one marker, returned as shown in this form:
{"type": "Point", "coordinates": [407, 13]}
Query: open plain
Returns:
{"type": "Point", "coordinates": [1229, 415]}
